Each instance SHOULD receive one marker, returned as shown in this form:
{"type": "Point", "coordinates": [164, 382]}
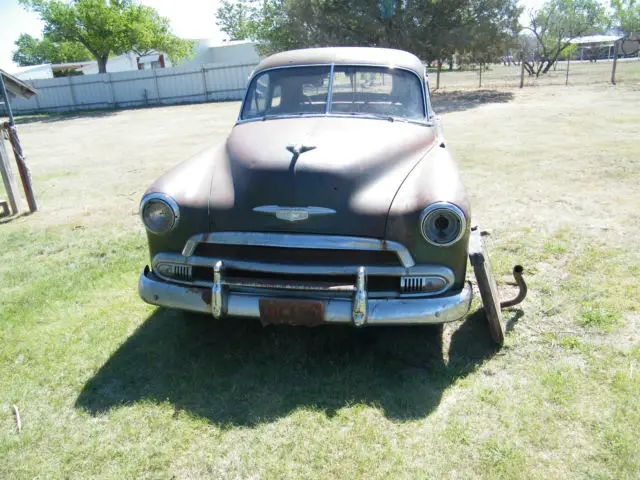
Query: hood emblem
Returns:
{"type": "Point", "coordinates": [293, 214]}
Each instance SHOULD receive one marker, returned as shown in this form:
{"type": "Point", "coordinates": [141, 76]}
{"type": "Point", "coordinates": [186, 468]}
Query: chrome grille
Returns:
{"type": "Point", "coordinates": [174, 271]}
{"type": "Point", "coordinates": [422, 284]}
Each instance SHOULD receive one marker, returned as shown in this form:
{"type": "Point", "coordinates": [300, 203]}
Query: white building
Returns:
{"type": "Point", "coordinates": [33, 72]}
{"type": "Point", "coordinates": [207, 51]}
{"type": "Point", "coordinates": [239, 52]}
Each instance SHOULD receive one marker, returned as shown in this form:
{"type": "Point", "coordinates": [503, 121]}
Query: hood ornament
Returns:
{"type": "Point", "coordinates": [296, 150]}
{"type": "Point", "coordinates": [293, 214]}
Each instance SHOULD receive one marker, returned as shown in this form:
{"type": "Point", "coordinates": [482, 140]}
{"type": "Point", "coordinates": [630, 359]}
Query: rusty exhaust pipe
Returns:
{"type": "Point", "coordinates": [522, 285]}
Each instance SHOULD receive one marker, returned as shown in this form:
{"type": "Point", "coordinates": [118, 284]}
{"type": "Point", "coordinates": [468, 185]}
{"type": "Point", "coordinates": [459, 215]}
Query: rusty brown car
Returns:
{"type": "Point", "coordinates": [333, 200]}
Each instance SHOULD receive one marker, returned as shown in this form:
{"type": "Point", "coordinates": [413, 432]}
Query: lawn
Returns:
{"type": "Point", "coordinates": [110, 387]}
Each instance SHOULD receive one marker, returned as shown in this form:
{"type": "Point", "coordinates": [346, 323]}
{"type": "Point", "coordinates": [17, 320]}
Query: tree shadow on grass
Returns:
{"type": "Point", "coordinates": [459, 100]}
{"type": "Point", "coordinates": [236, 372]}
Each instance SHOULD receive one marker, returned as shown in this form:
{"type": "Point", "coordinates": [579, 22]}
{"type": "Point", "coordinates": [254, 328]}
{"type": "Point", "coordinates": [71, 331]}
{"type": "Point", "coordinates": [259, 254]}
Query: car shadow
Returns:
{"type": "Point", "coordinates": [459, 100]}
{"type": "Point", "coordinates": [235, 372]}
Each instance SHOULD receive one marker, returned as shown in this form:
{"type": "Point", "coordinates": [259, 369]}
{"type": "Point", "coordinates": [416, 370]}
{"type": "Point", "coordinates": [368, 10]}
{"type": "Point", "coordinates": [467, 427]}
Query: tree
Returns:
{"type": "Point", "coordinates": [556, 24]}
{"type": "Point", "coordinates": [491, 30]}
{"type": "Point", "coordinates": [236, 19]}
{"type": "Point", "coordinates": [433, 29]}
{"type": "Point", "coordinates": [626, 16]}
{"type": "Point", "coordinates": [106, 27]}
{"type": "Point", "coordinates": [34, 51]}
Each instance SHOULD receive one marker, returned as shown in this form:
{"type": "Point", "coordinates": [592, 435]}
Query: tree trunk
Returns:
{"type": "Point", "coordinates": [102, 64]}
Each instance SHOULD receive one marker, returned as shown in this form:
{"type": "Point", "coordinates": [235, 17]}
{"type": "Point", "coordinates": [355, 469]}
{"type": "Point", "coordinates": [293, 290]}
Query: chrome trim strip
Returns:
{"type": "Point", "coordinates": [337, 310]}
{"type": "Point", "coordinates": [292, 240]}
{"type": "Point", "coordinates": [166, 199]}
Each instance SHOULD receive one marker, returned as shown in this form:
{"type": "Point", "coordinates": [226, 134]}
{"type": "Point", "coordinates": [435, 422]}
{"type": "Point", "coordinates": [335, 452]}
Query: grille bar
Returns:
{"type": "Point", "coordinates": [299, 241]}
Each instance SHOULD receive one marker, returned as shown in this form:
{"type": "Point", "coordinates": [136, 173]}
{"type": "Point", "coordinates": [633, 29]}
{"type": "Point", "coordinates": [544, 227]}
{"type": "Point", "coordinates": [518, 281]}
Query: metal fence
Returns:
{"type": "Point", "coordinates": [211, 82]}
{"type": "Point", "coordinates": [579, 73]}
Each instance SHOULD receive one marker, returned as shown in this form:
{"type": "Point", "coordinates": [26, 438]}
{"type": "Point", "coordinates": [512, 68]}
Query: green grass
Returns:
{"type": "Point", "coordinates": [110, 387]}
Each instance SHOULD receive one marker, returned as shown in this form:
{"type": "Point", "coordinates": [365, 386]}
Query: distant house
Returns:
{"type": "Point", "coordinates": [120, 63]}
{"type": "Point", "coordinates": [207, 51]}
{"type": "Point", "coordinates": [595, 47]}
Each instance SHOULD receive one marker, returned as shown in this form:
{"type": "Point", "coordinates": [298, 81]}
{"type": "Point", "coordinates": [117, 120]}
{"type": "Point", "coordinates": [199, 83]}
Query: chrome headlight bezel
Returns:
{"type": "Point", "coordinates": [168, 202]}
{"type": "Point", "coordinates": [431, 211]}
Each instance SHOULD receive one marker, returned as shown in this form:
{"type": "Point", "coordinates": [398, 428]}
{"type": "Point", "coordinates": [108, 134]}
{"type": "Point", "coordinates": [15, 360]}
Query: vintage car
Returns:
{"type": "Point", "coordinates": [333, 200]}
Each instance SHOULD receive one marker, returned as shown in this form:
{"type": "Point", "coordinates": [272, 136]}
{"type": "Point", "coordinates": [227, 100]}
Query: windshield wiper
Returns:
{"type": "Point", "coordinates": [283, 115]}
{"type": "Point", "coordinates": [380, 116]}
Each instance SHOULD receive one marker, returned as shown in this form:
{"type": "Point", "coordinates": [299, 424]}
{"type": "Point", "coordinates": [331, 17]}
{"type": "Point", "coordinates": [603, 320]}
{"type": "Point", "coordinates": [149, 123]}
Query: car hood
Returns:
{"type": "Point", "coordinates": [353, 166]}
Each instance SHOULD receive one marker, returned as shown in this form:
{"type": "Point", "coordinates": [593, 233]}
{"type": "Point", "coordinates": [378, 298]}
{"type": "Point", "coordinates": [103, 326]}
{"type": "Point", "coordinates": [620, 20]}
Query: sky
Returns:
{"type": "Point", "coordinates": [189, 19]}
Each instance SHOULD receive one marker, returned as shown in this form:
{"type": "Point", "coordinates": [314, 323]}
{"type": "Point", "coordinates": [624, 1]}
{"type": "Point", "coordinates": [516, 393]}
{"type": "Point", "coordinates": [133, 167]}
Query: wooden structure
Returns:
{"type": "Point", "coordinates": [12, 86]}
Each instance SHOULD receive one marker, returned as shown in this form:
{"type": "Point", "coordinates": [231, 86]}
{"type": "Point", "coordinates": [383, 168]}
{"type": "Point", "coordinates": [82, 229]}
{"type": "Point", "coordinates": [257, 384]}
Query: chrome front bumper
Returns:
{"type": "Point", "coordinates": [220, 301]}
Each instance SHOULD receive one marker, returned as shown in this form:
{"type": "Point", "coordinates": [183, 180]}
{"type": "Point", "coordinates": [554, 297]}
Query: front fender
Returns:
{"type": "Point", "coordinates": [434, 179]}
{"type": "Point", "coordinates": [189, 184]}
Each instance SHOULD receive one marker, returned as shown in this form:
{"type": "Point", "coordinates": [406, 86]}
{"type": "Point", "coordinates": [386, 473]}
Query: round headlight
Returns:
{"type": "Point", "coordinates": [159, 213]}
{"type": "Point", "coordinates": [442, 224]}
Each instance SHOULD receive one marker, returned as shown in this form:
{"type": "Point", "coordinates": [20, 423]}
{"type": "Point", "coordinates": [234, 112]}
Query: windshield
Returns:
{"type": "Point", "coordinates": [356, 90]}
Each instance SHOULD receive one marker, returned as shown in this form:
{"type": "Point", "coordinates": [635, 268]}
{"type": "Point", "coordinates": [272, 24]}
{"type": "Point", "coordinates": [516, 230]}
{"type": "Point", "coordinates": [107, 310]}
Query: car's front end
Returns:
{"type": "Point", "coordinates": [346, 210]}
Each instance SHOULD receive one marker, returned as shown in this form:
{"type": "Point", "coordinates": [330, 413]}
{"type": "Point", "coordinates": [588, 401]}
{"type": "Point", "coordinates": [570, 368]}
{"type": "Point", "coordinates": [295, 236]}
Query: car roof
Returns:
{"type": "Point", "coordinates": [344, 56]}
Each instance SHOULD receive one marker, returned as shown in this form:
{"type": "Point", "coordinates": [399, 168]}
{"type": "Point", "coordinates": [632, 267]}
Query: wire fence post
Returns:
{"type": "Point", "coordinates": [615, 62]}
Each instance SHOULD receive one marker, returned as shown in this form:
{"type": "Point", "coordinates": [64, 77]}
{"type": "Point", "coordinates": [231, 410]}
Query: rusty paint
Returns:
{"type": "Point", "coordinates": [306, 313]}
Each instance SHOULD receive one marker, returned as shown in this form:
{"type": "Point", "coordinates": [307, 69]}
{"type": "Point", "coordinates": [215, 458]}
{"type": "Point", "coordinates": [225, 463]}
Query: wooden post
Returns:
{"type": "Point", "coordinates": [615, 62]}
{"type": "Point", "coordinates": [522, 70]}
{"type": "Point", "coordinates": [7, 177]}
{"type": "Point", "coordinates": [480, 81]}
{"type": "Point", "coordinates": [439, 67]}
{"type": "Point", "coordinates": [566, 81]}
{"type": "Point", "coordinates": [25, 175]}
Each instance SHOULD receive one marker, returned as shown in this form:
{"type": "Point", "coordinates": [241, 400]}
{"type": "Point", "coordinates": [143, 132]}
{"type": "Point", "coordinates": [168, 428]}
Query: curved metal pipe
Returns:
{"type": "Point", "coordinates": [522, 285]}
